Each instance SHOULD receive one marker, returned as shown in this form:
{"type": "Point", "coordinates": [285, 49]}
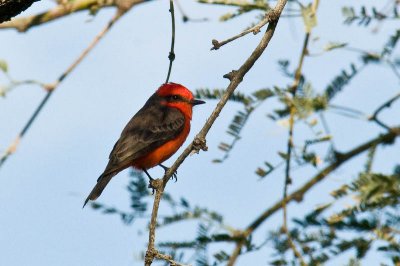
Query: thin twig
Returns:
{"type": "Point", "coordinates": [171, 55]}
{"type": "Point", "coordinates": [53, 86]}
{"type": "Point", "coordinates": [255, 30]}
{"type": "Point", "coordinates": [327, 129]}
{"type": "Point", "coordinates": [185, 17]}
{"type": "Point", "coordinates": [290, 145]}
{"type": "Point", "coordinates": [352, 111]}
{"type": "Point", "coordinates": [299, 193]}
{"type": "Point", "coordinates": [386, 104]}
{"type": "Point", "coordinates": [169, 259]}
{"type": "Point", "coordinates": [256, 5]}
{"type": "Point", "coordinates": [199, 142]}
{"type": "Point", "coordinates": [394, 69]}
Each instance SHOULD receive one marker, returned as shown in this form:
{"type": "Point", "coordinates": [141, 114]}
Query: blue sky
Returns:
{"type": "Point", "coordinates": [42, 186]}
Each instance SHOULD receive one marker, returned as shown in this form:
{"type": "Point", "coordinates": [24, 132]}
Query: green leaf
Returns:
{"type": "Point", "coordinates": [334, 45]}
{"type": "Point", "coordinates": [261, 172]}
{"type": "Point", "coordinates": [263, 94]}
{"type": "Point", "coordinates": [283, 155]}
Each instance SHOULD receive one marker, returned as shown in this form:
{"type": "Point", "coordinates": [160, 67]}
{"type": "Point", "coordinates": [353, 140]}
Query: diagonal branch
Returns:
{"type": "Point", "coordinates": [383, 106]}
{"type": "Point", "coordinates": [299, 193]}
{"type": "Point", "coordinates": [66, 8]}
{"type": "Point", "coordinates": [255, 29]}
{"type": "Point", "coordinates": [53, 86]}
{"type": "Point", "coordinates": [199, 142]}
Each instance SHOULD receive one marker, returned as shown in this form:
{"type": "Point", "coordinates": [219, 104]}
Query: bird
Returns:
{"type": "Point", "coordinates": [152, 135]}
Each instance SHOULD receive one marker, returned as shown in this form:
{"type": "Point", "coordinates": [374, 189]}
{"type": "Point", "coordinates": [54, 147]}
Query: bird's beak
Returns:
{"type": "Point", "coordinates": [196, 102]}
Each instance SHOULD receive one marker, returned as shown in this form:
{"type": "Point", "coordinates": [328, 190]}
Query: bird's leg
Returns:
{"type": "Point", "coordinates": [150, 180]}
{"type": "Point", "coordinates": [174, 175]}
{"type": "Point", "coordinates": [147, 173]}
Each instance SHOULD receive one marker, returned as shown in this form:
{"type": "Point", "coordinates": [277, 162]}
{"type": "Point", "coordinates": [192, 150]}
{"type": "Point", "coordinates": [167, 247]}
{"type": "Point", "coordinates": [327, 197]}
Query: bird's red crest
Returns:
{"type": "Point", "coordinates": [175, 88]}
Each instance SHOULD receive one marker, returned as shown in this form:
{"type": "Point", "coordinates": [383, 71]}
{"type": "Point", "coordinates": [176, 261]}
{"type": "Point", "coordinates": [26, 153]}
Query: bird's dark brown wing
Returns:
{"type": "Point", "coordinates": [151, 127]}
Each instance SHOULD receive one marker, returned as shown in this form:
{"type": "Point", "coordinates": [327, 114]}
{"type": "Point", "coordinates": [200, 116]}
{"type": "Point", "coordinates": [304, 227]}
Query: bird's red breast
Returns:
{"type": "Point", "coordinates": [163, 152]}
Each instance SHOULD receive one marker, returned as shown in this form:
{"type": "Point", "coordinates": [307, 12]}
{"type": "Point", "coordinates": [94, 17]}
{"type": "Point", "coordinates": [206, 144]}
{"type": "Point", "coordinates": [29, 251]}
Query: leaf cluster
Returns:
{"type": "Point", "coordinates": [364, 16]}
{"type": "Point", "coordinates": [369, 223]}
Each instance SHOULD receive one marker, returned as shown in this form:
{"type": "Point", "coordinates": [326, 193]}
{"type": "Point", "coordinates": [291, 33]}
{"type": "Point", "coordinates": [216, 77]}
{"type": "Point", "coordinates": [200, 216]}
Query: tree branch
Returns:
{"type": "Point", "coordinates": [199, 142]}
{"type": "Point", "coordinates": [64, 9]}
{"type": "Point", "coordinates": [299, 193]}
{"type": "Point", "coordinates": [255, 30]}
{"type": "Point", "coordinates": [261, 5]}
{"type": "Point", "coordinates": [53, 86]}
{"type": "Point", "coordinates": [171, 55]}
{"type": "Point", "coordinates": [290, 144]}
{"type": "Point", "coordinates": [386, 104]}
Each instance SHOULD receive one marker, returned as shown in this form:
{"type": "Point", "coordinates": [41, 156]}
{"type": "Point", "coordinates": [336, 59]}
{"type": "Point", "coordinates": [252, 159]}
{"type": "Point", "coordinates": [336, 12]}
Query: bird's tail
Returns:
{"type": "Point", "coordinates": [102, 182]}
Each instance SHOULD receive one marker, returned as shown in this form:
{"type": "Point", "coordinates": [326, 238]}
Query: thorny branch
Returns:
{"type": "Point", "coordinates": [199, 142]}
{"type": "Point", "coordinates": [53, 86]}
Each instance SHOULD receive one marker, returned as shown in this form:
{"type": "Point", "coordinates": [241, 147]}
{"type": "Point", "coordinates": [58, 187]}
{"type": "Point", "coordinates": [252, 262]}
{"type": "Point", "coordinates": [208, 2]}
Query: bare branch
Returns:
{"type": "Point", "coordinates": [185, 17]}
{"type": "Point", "coordinates": [169, 259]}
{"type": "Point", "coordinates": [64, 9]}
{"type": "Point", "coordinates": [386, 104]}
{"type": "Point", "coordinates": [53, 86]}
{"type": "Point", "coordinates": [151, 252]}
{"type": "Point", "coordinates": [199, 142]}
{"type": "Point", "coordinates": [290, 145]}
{"type": "Point", "coordinates": [256, 29]}
{"type": "Point", "coordinates": [171, 55]}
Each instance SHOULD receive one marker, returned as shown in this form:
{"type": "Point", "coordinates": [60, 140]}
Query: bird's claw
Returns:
{"type": "Point", "coordinates": [151, 180]}
{"type": "Point", "coordinates": [174, 175]}
{"type": "Point", "coordinates": [151, 186]}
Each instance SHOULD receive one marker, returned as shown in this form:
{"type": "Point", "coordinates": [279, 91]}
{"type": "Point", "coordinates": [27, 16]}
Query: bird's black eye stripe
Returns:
{"type": "Point", "coordinates": [174, 98]}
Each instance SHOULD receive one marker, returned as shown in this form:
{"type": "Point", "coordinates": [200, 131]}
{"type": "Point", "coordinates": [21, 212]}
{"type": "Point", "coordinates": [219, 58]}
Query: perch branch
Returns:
{"type": "Point", "coordinates": [199, 142]}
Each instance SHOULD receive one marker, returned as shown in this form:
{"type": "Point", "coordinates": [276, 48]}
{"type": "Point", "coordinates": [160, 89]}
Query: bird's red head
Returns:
{"type": "Point", "coordinates": [178, 96]}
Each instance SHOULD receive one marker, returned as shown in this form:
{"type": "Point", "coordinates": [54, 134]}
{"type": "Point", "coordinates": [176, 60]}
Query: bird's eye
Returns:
{"type": "Point", "coordinates": [175, 97]}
